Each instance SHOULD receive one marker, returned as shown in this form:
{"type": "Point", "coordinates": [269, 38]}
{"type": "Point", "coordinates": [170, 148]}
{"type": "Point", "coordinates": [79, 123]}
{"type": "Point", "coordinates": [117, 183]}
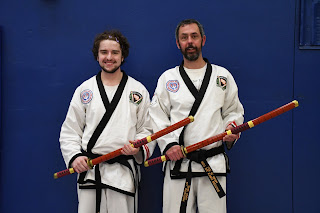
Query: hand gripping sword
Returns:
{"type": "Point", "coordinates": [136, 144]}
{"type": "Point", "coordinates": [219, 137]}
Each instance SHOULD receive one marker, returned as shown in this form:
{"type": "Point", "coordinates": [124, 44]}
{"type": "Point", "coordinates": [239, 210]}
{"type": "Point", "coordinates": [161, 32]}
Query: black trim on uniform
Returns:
{"type": "Point", "coordinates": [200, 157]}
{"type": "Point", "coordinates": [110, 107]}
{"type": "Point", "coordinates": [73, 158]}
{"type": "Point", "coordinates": [169, 146]}
{"type": "Point", "coordinates": [142, 149]}
{"type": "Point", "coordinates": [104, 186]}
{"type": "Point", "coordinates": [198, 99]}
{"type": "Point", "coordinates": [183, 175]}
{"type": "Point", "coordinates": [123, 160]}
{"type": "Point", "coordinates": [198, 95]}
{"type": "Point", "coordinates": [195, 156]}
{"type": "Point", "coordinates": [200, 154]}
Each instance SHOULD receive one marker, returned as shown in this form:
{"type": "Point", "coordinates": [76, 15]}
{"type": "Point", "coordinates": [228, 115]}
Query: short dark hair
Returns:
{"type": "Point", "coordinates": [114, 35]}
{"type": "Point", "coordinates": [187, 22]}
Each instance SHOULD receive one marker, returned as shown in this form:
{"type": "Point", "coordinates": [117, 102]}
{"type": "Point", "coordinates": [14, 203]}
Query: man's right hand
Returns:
{"type": "Point", "coordinates": [175, 153]}
{"type": "Point", "coordinates": [80, 164]}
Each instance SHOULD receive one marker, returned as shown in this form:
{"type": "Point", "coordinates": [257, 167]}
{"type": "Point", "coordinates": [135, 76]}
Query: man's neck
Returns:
{"type": "Point", "coordinates": [111, 79]}
{"type": "Point", "coordinates": [197, 64]}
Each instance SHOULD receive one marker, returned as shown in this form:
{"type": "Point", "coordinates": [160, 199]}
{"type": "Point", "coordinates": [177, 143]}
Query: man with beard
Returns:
{"type": "Point", "coordinates": [107, 112]}
{"type": "Point", "coordinates": [210, 94]}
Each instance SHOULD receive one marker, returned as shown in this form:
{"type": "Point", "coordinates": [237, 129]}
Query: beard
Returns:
{"type": "Point", "coordinates": [110, 71]}
{"type": "Point", "coordinates": [191, 56]}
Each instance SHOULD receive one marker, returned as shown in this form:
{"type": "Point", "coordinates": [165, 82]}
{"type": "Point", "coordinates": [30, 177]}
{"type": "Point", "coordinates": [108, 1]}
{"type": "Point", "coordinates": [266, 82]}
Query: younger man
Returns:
{"type": "Point", "coordinates": [106, 112]}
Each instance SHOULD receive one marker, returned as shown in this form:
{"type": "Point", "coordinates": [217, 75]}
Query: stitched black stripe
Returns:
{"type": "Point", "coordinates": [110, 107]}
{"type": "Point", "coordinates": [198, 99]}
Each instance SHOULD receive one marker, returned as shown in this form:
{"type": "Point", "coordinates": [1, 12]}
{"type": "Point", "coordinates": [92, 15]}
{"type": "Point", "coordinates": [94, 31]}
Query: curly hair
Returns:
{"type": "Point", "coordinates": [114, 35]}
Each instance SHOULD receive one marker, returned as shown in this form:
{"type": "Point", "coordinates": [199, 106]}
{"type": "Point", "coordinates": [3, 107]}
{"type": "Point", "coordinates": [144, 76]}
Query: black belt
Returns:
{"type": "Point", "coordinates": [98, 185]}
{"type": "Point", "coordinates": [199, 157]}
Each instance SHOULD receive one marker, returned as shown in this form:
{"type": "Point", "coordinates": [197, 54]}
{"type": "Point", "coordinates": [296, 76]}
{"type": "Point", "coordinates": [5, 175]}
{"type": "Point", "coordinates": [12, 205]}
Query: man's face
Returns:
{"type": "Point", "coordinates": [190, 42]}
{"type": "Point", "coordinates": [109, 56]}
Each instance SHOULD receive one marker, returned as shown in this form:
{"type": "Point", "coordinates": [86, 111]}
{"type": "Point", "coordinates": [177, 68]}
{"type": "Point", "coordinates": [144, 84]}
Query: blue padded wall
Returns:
{"type": "Point", "coordinates": [46, 54]}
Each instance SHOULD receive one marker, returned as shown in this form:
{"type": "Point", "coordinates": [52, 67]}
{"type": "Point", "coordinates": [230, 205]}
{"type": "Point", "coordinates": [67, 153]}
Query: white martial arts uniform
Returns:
{"type": "Point", "coordinates": [220, 107]}
{"type": "Point", "coordinates": [129, 121]}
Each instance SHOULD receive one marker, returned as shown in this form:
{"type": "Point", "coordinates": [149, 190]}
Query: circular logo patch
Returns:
{"type": "Point", "coordinates": [173, 85]}
{"type": "Point", "coordinates": [86, 96]}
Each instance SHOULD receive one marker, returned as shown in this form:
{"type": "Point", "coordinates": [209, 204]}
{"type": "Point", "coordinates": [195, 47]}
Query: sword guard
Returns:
{"type": "Point", "coordinates": [183, 151]}
{"type": "Point", "coordinates": [90, 163]}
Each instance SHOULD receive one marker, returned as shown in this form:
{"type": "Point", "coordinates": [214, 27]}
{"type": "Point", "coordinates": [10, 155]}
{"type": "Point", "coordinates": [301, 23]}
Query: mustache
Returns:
{"type": "Point", "coordinates": [191, 47]}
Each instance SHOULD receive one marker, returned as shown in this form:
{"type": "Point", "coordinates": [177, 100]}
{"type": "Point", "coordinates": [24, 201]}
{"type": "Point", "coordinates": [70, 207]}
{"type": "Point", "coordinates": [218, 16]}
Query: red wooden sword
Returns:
{"type": "Point", "coordinates": [136, 144]}
{"type": "Point", "coordinates": [219, 137]}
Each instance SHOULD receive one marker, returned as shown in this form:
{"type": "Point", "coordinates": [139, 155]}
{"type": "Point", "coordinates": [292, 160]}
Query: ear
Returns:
{"type": "Point", "coordinates": [204, 40]}
{"type": "Point", "coordinates": [178, 45]}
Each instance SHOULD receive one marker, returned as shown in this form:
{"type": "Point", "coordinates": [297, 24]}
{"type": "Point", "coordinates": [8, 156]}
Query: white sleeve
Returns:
{"type": "Point", "coordinates": [232, 110]}
{"type": "Point", "coordinates": [72, 130]}
{"type": "Point", "coordinates": [160, 115]}
{"type": "Point", "coordinates": [144, 128]}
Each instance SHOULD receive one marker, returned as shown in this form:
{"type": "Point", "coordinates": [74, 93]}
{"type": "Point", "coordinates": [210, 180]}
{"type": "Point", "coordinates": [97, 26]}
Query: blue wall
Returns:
{"type": "Point", "coordinates": [46, 54]}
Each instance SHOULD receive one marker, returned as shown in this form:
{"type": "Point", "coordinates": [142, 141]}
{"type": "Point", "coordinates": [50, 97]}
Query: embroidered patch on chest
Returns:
{"type": "Point", "coordinates": [86, 96]}
{"type": "Point", "coordinates": [222, 82]}
{"type": "Point", "coordinates": [135, 97]}
{"type": "Point", "coordinates": [173, 86]}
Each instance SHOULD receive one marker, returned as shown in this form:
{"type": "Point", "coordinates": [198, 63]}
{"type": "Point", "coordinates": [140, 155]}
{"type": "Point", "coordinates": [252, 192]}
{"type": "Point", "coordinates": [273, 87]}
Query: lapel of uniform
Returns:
{"type": "Point", "coordinates": [110, 107]}
{"type": "Point", "coordinates": [198, 95]}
